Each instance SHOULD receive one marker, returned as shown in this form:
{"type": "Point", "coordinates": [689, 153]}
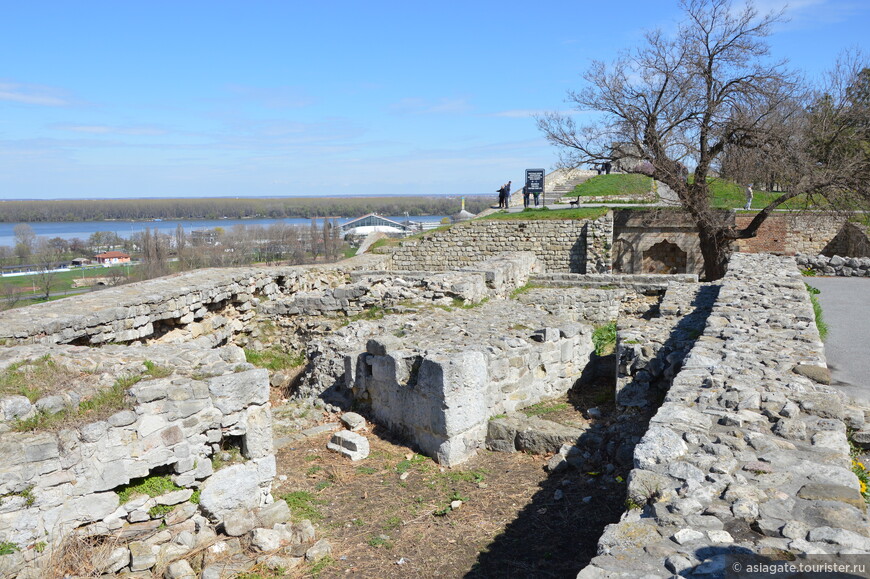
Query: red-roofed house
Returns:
{"type": "Point", "coordinates": [112, 257]}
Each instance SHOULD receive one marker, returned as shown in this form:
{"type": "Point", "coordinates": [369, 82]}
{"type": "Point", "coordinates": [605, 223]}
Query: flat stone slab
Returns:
{"type": "Point", "coordinates": [823, 492]}
{"type": "Point", "coordinates": [321, 429]}
{"type": "Point", "coordinates": [529, 433]}
{"type": "Point", "coordinates": [353, 421]}
{"type": "Point", "coordinates": [350, 444]}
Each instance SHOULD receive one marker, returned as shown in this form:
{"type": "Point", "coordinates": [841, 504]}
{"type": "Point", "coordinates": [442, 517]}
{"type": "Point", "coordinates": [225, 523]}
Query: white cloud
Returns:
{"type": "Point", "coordinates": [31, 95]}
{"type": "Point", "coordinates": [111, 130]}
{"type": "Point", "coordinates": [280, 97]}
{"type": "Point", "coordinates": [418, 106]}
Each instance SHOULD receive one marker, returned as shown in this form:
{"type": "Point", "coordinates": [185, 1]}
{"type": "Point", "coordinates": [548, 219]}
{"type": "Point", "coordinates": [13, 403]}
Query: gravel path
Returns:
{"type": "Point", "coordinates": [846, 309]}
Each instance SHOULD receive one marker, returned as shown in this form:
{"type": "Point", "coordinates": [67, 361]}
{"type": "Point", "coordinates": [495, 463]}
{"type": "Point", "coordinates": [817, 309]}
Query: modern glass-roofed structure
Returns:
{"type": "Point", "coordinates": [373, 222]}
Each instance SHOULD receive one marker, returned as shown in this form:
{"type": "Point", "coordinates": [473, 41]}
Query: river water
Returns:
{"type": "Point", "coordinates": [126, 229]}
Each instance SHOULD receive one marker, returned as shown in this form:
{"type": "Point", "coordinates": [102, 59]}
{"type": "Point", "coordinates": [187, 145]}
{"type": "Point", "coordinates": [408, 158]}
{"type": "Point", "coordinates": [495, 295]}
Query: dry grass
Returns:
{"type": "Point", "coordinates": [395, 506]}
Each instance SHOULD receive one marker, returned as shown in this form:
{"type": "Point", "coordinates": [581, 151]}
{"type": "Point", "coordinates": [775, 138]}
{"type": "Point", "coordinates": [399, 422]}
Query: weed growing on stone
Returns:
{"type": "Point", "coordinates": [274, 359]}
{"type": "Point", "coordinates": [225, 457]}
{"type": "Point", "coordinates": [817, 311]}
{"type": "Point", "coordinates": [542, 408]}
{"type": "Point", "coordinates": [808, 272]}
{"type": "Point", "coordinates": [158, 511]}
{"type": "Point", "coordinates": [153, 486]}
{"type": "Point", "coordinates": [101, 405]}
{"type": "Point", "coordinates": [604, 339]}
{"type": "Point", "coordinates": [7, 548]}
{"type": "Point", "coordinates": [34, 378]}
{"type": "Point", "coordinates": [155, 371]}
{"type": "Point", "coordinates": [194, 498]}
{"type": "Point", "coordinates": [372, 313]}
{"type": "Point", "coordinates": [303, 506]}
{"type": "Point", "coordinates": [460, 303]}
{"type": "Point", "coordinates": [523, 289]}
{"type": "Point", "coordinates": [26, 494]}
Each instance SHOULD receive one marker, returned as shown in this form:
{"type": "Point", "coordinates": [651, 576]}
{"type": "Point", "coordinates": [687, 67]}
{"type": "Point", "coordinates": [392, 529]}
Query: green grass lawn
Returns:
{"type": "Point", "coordinates": [730, 195]}
{"type": "Point", "coordinates": [62, 280]}
{"type": "Point", "coordinates": [620, 185]}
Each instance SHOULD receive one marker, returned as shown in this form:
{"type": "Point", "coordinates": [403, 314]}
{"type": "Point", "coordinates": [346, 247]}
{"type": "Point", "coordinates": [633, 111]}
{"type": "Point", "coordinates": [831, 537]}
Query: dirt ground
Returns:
{"type": "Point", "coordinates": [390, 515]}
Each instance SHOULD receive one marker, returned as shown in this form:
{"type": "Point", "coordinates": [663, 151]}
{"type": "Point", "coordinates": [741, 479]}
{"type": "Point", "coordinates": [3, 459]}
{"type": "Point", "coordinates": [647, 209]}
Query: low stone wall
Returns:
{"type": "Point", "coordinates": [495, 277]}
{"type": "Point", "coordinates": [53, 482]}
{"type": "Point", "coordinates": [650, 351]}
{"type": "Point", "coordinates": [835, 265]}
{"type": "Point", "coordinates": [437, 376]}
{"type": "Point", "coordinates": [746, 456]}
{"type": "Point", "coordinates": [149, 309]}
{"type": "Point", "coordinates": [560, 245]}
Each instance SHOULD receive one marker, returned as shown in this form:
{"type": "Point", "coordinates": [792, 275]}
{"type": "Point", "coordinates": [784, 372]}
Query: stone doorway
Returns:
{"type": "Point", "coordinates": [664, 257]}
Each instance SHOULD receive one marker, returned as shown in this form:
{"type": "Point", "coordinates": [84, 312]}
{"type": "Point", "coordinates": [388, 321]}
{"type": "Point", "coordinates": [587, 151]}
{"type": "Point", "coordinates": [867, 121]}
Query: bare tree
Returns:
{"type": "Point", "coordinates": [710, 98]}
{"type": "Point", "coordinates": [48, 256]}
{"type": "Point", "coordinates": [10, 295]}
{"type": "Point", "coordinates": [25, 241]}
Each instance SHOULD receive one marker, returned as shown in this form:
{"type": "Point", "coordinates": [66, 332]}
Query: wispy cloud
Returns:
{"type": "Point", "coordinates": [30, 94]}
{"type": "Point", "coordinates": [111, 130]}
{"type": "Point", "coordinates": [418, 106]}
{"type": "Point", "coordinates": [518, 113]}
{"type": "Point", "coordinates": [809, 13]}
{"type": "Point", "coordinates": [279, 97]}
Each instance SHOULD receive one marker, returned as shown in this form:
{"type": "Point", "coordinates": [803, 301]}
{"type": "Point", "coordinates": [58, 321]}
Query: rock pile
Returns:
{"type": "Point", "coordinates": [835, 265]}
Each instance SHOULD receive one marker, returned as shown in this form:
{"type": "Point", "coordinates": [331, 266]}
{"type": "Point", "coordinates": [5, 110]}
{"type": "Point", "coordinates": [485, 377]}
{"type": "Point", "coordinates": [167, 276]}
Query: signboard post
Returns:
{"type": "Point", "coordinates": [535, 183]}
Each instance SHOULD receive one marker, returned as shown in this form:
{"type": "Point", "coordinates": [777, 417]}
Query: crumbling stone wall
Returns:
{"type": "Point", "coordinates": [437, 376]}
{"type": "Point", "coordinates": [561, 245]}
{"type": "Point", "coordinates": [53, 482]}
{"type": "Point", "coordinates": [213, 301]}
{"type": "Point", "coordinates": [747, 455]}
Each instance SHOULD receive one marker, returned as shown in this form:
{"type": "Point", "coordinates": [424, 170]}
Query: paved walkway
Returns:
{"type": "Point", "coordinates": [846, 309]}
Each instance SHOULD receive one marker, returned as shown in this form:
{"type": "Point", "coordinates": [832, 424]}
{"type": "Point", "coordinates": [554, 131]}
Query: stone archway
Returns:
{"type": "Point", "coordinates": [664, 257]}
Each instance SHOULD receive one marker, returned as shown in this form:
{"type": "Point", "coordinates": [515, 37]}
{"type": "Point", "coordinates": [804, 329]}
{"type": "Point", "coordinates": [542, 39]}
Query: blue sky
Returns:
{"type": "Point", "coordinates": [257, 98]}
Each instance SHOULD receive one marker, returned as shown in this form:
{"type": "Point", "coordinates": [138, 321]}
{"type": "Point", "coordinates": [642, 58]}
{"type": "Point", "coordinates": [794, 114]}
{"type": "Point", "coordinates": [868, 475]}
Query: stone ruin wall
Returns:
{"type": "Point", "coordinates": [715, 407]}
{"type": "Point", "coordinates": [747, 455]}
{"type": "Point", "coordinates": [561, 245]}
{"type": "Point", "coordinates": [59, 481]}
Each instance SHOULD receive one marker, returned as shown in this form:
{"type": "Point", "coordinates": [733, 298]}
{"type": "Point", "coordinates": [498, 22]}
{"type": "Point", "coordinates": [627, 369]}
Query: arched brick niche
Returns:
{"type": "Point", "coordinates": [664, 257]}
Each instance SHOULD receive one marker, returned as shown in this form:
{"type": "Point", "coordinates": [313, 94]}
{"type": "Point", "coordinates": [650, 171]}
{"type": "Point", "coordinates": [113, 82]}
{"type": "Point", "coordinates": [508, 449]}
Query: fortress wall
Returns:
{"type": "Point", "coordinates": [561, 245]}
{"type": "Point", "coordinates": [747, 455]}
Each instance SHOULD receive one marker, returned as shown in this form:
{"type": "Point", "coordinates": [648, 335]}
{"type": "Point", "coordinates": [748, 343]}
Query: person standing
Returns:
{"type": "Point", "coordinates": [748, 197]}
{"type": "Point", "coordinates": [506, 194]}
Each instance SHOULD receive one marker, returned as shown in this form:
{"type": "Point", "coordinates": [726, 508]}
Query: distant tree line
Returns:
{"type": "Point", "coordinates": [161, 254]}
{"type": "Point", "coordinates": [32, 211]}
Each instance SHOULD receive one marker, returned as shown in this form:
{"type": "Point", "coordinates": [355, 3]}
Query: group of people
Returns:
{"type": "Point", "coordinates": [504, 196]}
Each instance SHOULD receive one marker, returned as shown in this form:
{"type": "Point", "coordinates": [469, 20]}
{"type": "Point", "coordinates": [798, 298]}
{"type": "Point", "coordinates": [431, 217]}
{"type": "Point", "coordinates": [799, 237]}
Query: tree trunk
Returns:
{"type": "Point", "coordinates": [715, 248]}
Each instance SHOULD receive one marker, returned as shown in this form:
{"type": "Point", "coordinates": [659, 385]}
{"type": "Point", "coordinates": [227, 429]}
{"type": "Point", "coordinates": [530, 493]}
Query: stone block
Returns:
{"type": "Point", "coordinates": [233, 488]}
{"type": "Point", "coordinates": [349, 444]}
{"type": "Point", "coordinates": [233, 392]}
